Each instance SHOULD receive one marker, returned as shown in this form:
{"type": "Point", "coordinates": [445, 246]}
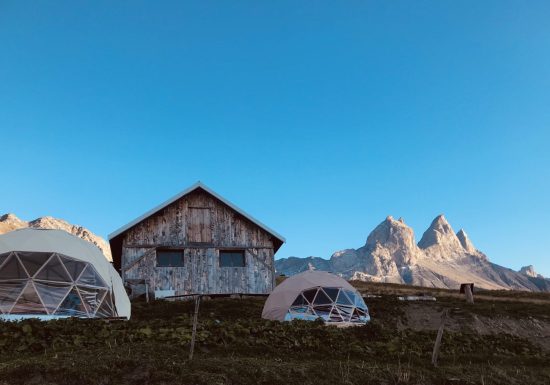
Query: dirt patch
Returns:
{"type": "Point", "coordinates": [532, 329]}
{"type": "Point", "coordinates": [427, 317]}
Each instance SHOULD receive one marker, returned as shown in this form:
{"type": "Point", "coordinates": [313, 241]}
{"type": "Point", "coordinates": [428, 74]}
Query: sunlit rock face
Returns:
{"type": "Point", "coordinates": [465, 241]}
{"type": "Point", "coordinates": [440, 242]}
{"type": "Point", "coordinates": [393, 238]}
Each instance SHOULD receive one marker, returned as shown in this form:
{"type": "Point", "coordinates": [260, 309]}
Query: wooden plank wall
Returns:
{"type": "Point", "coordinates": [201, 225]}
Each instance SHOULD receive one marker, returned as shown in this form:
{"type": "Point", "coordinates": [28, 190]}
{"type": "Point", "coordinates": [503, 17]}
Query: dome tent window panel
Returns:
{"type": "Point", "coordinates": [3, 258]}
{"type": "Point", "coordinates": [332, 292]}
{"type": "Point", "coordinates": [323, 311]}
{"type": "Point", "coordinates": [343, 299]}
{"type": "Point", "coordinates": [29, 302]}
{"type": "Point", "coordinates": [301, 309]}
{"type": "Point", "coordinates": [359, 302]}
{"type": "Point", "coordinates": [74, 267]}
{"type": "Point", "coordinates": [335, 315]}
{"type": "Point", "coordinates": [300, 300]}
{"type": "Point", "coordinates": [72, 305]}
{"type": "Point", "coordinates": [91, 298]}
{"type": "Point", "coordinates": [54, 270]}
{"type": "Point", "coordinates": [106, 308]}
{"type": "Point", "coordinates": [345, 312]}
{"type": "Point", "coordinates": [352, 296]}
{"type": "Point", "coordinates": [52, 294]}
{"type": "Point", "coordinates": [301, 313]}
{"type": "Point", "coordinates": [9, 293]}
{"type": "Point", "coordinates": [309, 295]}
{"type": "Point", "coordinates": [321, 298]}
{"type": "Point", "coordinates": [90, 277]}
{"type": "Point", "coordinates": [13, 269]}
{"type": "Point", "coordinates": [32, 261]}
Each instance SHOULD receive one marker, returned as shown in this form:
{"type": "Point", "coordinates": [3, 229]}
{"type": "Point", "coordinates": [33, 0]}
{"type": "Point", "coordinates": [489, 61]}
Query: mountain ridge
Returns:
{"type": "Point", "coordinates": [10, 222]}
{"type": "Point", "coordinates": [442, 258]}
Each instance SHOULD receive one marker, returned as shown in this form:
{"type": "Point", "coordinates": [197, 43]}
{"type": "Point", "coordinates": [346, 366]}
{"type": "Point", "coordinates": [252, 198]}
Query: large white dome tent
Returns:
{"type": "Point", "coordinates": [51, 274]}
{"type": "Point", "coordinates": [316, 294]}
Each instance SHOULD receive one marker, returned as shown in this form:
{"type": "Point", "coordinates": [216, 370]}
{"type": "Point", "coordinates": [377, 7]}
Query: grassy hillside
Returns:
{"type": "Point", "coordinates": [495, 341]}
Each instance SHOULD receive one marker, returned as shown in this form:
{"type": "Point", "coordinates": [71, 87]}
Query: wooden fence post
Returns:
{"type": "Point", "coordinates": [194, 333]}
{"type": "Point", "coordinates": [437, 345]}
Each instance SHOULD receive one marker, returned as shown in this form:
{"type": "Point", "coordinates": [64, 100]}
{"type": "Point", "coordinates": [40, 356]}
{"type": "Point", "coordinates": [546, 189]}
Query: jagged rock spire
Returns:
{"type": "Point", "coordinates": [465, 241]}
{"type": "Point", "coordinates": [440, 233]}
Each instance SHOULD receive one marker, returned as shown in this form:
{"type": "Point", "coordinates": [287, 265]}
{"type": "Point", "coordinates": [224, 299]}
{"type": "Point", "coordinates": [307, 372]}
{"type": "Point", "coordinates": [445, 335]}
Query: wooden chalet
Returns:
{"type": "Point", "coordinates": [196, 243]}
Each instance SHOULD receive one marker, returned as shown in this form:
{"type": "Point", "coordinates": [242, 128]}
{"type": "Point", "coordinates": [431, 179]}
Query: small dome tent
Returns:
{"type": "Point", "coordinates": [51, 274]}
{"type": "Point", "coordinates": [316, 294]}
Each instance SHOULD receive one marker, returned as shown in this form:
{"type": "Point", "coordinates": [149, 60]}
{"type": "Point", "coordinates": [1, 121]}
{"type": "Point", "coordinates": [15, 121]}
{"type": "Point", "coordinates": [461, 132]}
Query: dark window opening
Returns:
{"type": "Point", "coordinates": [232, 258]}
{"type": "Point", "coordinates": [170, 258]}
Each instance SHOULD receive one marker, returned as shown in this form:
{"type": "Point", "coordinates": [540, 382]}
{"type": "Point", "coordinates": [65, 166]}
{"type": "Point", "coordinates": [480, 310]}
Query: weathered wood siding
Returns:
{"type": "Point", "coordinates": [201, 225]}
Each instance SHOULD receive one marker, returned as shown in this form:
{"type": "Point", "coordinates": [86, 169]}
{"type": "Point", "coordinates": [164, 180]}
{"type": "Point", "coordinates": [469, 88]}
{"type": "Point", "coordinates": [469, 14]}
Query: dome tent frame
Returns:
{"type": "Point", "coordinates": [48, 274]}
{"type": "Point", "coordinates": [52, 284]}
{"type": "Point", "coordinates": [316, 294]}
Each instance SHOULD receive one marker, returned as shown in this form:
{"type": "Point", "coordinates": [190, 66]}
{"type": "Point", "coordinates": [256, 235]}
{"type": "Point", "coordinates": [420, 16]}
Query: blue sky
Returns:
{"type": "Point", "coordinates": [318, 118]}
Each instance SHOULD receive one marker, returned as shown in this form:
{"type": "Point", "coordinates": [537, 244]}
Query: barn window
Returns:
{"type": "Point", "coordinates": [231, 258]}
{"type": "Point", "coordinates": [169, 258]}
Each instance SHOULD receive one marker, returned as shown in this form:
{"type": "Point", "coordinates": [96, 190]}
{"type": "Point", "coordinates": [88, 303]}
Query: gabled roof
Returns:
{"type": "Point", "coordinates": [196, 186]}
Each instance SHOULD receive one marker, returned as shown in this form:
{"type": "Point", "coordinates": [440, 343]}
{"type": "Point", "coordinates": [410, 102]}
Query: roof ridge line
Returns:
{"type": "Point", "coordinates": [185, 192]}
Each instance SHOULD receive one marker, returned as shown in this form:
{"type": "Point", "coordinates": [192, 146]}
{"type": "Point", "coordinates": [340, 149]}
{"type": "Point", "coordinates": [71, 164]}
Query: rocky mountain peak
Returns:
{"type": "Point", "coordinates": [8, 217]}
{"type": "Point", "coordinates": [440, 234]}
{"type": "Point", "coordinates": [396, 238]}
{"type": "Point", "coordinates": [465, 241]}
{"type": "Point", "coordinates": [9, 222]}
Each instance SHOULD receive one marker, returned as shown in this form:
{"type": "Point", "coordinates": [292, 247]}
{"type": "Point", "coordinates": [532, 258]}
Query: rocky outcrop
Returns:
{"type": "Point", "coordinates": [10, 222]}
{"type": "Point", "coordinates": [536, 279]}
{"type": "Point", "coordinates": [529, 271]}
{"type": "Point", "coordinates": [442, 258]}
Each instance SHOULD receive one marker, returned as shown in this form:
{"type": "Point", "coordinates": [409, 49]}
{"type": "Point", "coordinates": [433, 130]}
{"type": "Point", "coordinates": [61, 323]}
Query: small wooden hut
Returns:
{"type": "Point", "coordinates": [196, 243]}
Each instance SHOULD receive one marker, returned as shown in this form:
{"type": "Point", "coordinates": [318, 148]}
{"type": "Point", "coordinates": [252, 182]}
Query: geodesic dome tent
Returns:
{"type": "Point", "coordinates": [316, 294]}
{"type": "Point", "coordinates": [53, 274]}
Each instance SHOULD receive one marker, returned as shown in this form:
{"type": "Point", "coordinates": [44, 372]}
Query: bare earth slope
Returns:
{"type": "Point", "coordinates": [10, 222]}
{"type": "Point", "coordinates": [442, 258]}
